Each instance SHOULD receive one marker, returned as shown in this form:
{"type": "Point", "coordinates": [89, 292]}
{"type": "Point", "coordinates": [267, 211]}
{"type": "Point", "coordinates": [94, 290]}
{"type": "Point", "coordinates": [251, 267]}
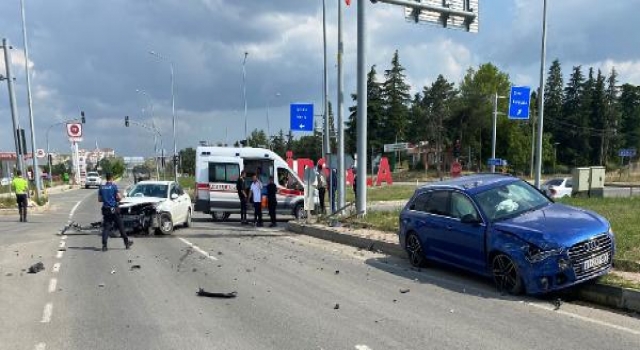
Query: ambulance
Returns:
{"type": "Point", "coordinates": [218, 169]}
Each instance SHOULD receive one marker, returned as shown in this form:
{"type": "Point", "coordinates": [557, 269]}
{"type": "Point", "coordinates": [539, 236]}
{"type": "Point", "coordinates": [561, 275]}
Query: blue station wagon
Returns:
{"type": "Point", "coordinates": [503, 227]}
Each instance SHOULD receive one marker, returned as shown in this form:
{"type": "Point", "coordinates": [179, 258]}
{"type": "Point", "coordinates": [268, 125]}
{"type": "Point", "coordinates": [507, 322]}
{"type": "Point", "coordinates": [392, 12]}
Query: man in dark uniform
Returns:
{"type": "Point", "coordinates": [272, 201]}
{"type": "Point", "coordinates": [242, 194]}
{"type": "Point", "coordinates": [109, 196]}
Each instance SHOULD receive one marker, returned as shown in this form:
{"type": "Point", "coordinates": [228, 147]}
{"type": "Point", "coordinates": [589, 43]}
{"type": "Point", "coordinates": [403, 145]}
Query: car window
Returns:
{"type": "Point", "coordinates": [149, 190]}
{"type": "Point", "coordinates": [510, 200]}
{"type": "Point", "coordinates": [224, 172]}
{"type": "Point", "coordinates": [569, 183]}
{"type": "Point", "coordinates": [419, 204]}
{"type": "Point", "coordinates": [462, 206]}
{"type": "Point", "coordinates": [438, 203]}
{"type": "Point", "coordinates": [554, 182]}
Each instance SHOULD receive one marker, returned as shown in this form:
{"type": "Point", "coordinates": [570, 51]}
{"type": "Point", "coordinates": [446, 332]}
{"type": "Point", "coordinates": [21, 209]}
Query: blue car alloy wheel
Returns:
{"type": "Point", "coordinates": [506, 275]}
{"type": "Point", "coordinates": [414, 250]}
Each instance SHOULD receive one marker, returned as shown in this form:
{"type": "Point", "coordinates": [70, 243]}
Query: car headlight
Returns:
{"type": "Point", "coordinates": [610, 231]}
{"type": "Point", "coordinates": [535, 254]}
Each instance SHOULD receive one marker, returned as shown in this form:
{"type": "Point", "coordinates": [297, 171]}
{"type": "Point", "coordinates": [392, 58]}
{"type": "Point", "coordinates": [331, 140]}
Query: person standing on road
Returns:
{"type": "Point", "coordinates": [333, 189]}
{"type": "Point", "coordinates": [109, 196]}
{"type": "Point", "coordinates": [272, 189]}
{"type": "Point", "coordinates": [21, 188]}
{"type": "Point", "coordinates": [256, 196]}
{"type": "Point", "coordinates": [242, 194]}
{"type": "Point", "coordinates": [322, 187]}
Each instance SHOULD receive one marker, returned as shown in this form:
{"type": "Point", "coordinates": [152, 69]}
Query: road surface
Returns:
{"type": "Point", "coordinates": [293, 292]}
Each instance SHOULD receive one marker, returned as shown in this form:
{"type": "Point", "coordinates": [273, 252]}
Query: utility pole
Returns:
{"type": "Point", "coordinates": [494, 127]}
{"type": "Point", "coordinates": [244, 92]}
{"type": "Point", "coordinates": [361, 183]}
{"type": "Point", "coordinates": [325, 89]}
{"type": "Point", "coordinates": [12, 101]}
{"type": "Point", "coordinates": [341, 165]}
{"type": "Point", "coordinates": [34, 159]}
{"type": "Point", "coordinates": [541, 97]}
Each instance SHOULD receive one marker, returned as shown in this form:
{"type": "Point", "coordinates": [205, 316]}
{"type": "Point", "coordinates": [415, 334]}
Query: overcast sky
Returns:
{"type": "Point", "coordinates": [93, 55]}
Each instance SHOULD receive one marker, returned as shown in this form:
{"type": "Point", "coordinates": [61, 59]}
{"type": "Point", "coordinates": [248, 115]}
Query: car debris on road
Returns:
{"type": "Point", "coordinates": [202, 293]}
{"type": "Point", "coordinates": [35, 268]}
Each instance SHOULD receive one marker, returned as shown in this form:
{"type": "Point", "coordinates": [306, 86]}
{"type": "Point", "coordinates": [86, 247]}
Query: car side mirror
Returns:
{"type": "Point", "coordinates": [174, 196]}
{"type": "Point", "coordinates": [470, 219]}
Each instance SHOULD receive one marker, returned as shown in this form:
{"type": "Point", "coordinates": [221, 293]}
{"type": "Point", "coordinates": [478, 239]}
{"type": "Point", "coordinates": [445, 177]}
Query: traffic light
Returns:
{"type": "Point", "coordinates": [82, 118]}
{"type": "Point", "coordinates": [126, 121]}
{"type": "Point", "coordinates": [22, 142]}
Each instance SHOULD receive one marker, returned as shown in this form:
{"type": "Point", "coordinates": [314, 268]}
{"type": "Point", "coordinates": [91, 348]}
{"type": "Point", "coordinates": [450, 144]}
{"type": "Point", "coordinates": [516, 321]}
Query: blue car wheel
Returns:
{"type": "Point", "coordinates": [506, 275]}
{"type": "Point", "coordinates": [414, 250]}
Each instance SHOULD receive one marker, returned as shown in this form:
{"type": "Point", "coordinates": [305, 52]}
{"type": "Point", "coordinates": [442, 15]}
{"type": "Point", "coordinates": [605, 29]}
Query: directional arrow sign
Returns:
{"type": "Point", "coordinates": [519, 102]}
{"type": "Point", "coordinates": [301, 117]}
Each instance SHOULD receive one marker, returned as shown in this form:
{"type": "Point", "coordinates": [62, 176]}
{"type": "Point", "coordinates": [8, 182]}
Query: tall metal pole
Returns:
{"type": "Point", "coordinates": [12, 100]}
{"type": "Point", "coordinates": [34, 159]}
{"type": "Point", "coordinates": [325, 93]}
{"type": "Point", "coordinates": [494, 131]}
{"type": "Point", "coordinates": [173, 111]}
{"type": "Point", "coordinates": [541, 97]}
{"type": "Point", "coordinates": [361, 183]}
{"type": "Point", "coordinates": [341, 164]}
{"type": "Point", "coordinates": [244, 92]}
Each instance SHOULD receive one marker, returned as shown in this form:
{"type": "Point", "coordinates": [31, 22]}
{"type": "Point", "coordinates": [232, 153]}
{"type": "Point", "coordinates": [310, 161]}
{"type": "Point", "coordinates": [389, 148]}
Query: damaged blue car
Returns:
{"type": "Point", "coordinates": [504, 228]}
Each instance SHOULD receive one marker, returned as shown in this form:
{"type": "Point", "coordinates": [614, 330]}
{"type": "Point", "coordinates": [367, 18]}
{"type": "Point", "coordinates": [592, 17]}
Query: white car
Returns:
{"type": "Point", "coordinates": [558, 187]}
{"type": "Point", "coordinates": [5, 181]}
{"type": "Point", "coordinates": [156, 206]}
{"type": "Point", "coordinates": [93, 179]}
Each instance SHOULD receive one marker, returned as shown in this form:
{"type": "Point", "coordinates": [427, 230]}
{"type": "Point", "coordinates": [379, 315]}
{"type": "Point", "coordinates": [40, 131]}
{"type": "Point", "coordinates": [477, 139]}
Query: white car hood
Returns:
{"type": "Point", "coordinates": [131, 201]}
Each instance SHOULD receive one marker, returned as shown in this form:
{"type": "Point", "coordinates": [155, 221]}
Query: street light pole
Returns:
{"type": "Point", "coordinates": [341, 164]}
{"type": "Point", "coordinates": [543, 56]}
{"type": "Point", "coordinates": [244, 92]}
{"type": "Point", "coordinates": [325, 89]}
{"type": "Point", "coordinates": [155, 137]}
{"type": "Point", "coordinates": [494, 127]}
{"type": "Point", "coordinates": [34, 159]}
{"type": "Point", "coordinates": [173, 112]}
{"type": "Point", "coordinates": [14, 107]}
{"type": "Point", "coordinates": [361, 183]}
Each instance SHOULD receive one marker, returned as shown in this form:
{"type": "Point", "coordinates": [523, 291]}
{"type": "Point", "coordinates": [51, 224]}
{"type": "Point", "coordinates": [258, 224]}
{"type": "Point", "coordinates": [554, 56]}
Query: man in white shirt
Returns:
{"type": "Point", "coordinates": [256, 197]}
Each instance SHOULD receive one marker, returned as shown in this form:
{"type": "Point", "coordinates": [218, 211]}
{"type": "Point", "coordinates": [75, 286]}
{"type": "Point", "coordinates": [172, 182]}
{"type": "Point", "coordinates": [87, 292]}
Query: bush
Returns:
{"type": "Point", "coordinates": [418, 166]}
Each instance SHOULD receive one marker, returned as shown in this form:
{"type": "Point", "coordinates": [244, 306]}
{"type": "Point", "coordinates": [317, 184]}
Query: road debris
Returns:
{"type": "Point", "coordinates": [101, 285]}
{"type": "Point", "coordinates": [9, 274]}
{"type": "Point", "coordinates": [337, 272]}
{"type": "Point", "coordinates": [113, 271]}
{"type": "Point", "coordinates": [35, 268]}
{"type": "Point", "coordinates": [556, 304]}
{"type": "Point", "coordinates": [194, 270]}
{"type": "Point", "coordinates": [336, 307]}
{"type": "Point", "coordinates": [202, 293]}
{"type": "Point", "coordinates": [135, 267]}
{"type": "Point", "coordinates": [405, 290]}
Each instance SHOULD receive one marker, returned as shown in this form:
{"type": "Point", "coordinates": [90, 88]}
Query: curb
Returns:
{"type": "Point", "coordinates": [600, 294]}
{"type": "Point", "coordinates": [34, 209]}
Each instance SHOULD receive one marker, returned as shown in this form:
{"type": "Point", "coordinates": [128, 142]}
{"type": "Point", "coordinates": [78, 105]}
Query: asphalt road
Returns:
{"type": "Point", "coordinates": [287, 288]}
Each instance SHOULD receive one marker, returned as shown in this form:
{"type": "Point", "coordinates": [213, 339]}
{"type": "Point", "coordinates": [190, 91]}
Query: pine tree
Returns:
{"type": "Point", "coordinates": [395, 92]}
{"type": "Point", "coordinates": [629, 103]}
{"type": "Point", "coordinates": [597, 118]}
{"type": "Point", "coordinates": [576, 143]}
{"type": "Point", "coordinates": [375, 111]}
{"type": "Point", "coordinates": [553, 97]}
{"type": "Point", "coordinates": [612, 117]}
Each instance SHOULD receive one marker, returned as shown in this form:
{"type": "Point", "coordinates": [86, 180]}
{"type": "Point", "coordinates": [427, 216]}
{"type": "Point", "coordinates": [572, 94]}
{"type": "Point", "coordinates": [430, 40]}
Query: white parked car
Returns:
{"type": "Point", "coordinates": [156, 206]}
{"type": "Point", "coordinates": [5, 181]}
{"type": "Point", "coordinates": [558, 187]}
{"type": "Point", "coordinates": [93, 179]}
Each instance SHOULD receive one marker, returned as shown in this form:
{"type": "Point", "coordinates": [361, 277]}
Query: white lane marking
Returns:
{"type": "Point", "coordinates": [46, 315]}
{"type": "Point", "coordinates": [75, 207]}
{"type": "Point", "coordinates": [52, 285]}
{"type": "Point", "coordinates": [56, 267]}
{"type": "Point", "coordinates": [62, 244]}
{"type": "Point", "coordinates": [59, 254]}
{"type": "Point", "coordinates": [41, 346]}
{"type": "Point", "coordinates": [63, 238]}
{"type": "Point", "coordinates": [586, 319]}
{"type": "Point", "coordinates": [362, 347]}
{"type": "Point", "coordinates": [197, 249]}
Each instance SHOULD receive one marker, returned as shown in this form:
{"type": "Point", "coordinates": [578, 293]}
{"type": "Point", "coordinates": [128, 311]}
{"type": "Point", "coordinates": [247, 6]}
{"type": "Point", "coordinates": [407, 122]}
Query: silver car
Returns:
{"type": "Point", "coordinates": [93, 179]}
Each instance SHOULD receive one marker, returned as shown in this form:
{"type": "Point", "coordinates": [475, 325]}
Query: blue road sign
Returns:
{"type": "Point", "coordinates": [519, 102]}
{"type": "Point", "coordinates": [301, 117]}
{"type": "Point", "coordinates": [627, 152]}
{"type": "Point", "coordinates": [497, 162]}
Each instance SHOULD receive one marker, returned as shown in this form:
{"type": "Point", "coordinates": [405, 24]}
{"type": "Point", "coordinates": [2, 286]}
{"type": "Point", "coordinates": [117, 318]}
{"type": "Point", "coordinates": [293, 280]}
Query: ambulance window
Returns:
{"type": "Point", "coordinates": [224, 172]}
{"type": "Point", "coordinates": [286, 179]}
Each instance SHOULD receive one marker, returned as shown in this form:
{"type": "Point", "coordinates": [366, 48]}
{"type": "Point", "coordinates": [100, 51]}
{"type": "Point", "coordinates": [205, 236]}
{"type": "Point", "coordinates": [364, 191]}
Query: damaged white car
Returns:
{"type": "Point", "coordinates": [155, 206]}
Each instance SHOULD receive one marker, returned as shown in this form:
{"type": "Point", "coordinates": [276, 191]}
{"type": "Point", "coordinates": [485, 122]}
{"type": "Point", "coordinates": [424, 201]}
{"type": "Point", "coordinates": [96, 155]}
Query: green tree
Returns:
{"type": "Point", "coordinates": [598, 120]}
{"type": "Point", "coordinates": [258, 138]}
{"type": "Point", "coordinates": [279, 144]}
{"type": "Point", "coordinates": [629, 103]}
{"type": "Point", "coordinates": [612, 118]}
{"type": "Point", "coordinates": [188, 161]}
{"type": "Point", "coordinates": [553, 97]}
{"type": "Point", "coordinates": [396, 97]}
{"type": "Point", "coordinates": [375, 112]}
{"type": "Point", "coordinates": [576, 144]}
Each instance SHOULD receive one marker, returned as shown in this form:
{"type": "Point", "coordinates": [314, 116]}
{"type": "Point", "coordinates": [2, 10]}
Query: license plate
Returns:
{"type": "Point", "coordinates": [595, 261]}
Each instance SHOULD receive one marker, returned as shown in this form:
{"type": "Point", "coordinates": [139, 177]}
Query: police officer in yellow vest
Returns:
{"type": "Point", "coordinates": [21, 188]}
